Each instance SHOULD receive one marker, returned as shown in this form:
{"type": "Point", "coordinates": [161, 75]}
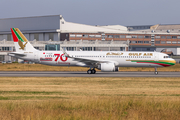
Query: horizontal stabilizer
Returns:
{"type": "Point", "coordinates": [16, 54]}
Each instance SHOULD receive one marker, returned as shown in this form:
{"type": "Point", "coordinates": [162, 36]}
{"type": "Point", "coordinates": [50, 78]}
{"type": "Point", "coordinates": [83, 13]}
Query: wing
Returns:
{"type": "Point", "coordinates": [16, 54]}
{"type": "Point", "coordinates": [89, 62]}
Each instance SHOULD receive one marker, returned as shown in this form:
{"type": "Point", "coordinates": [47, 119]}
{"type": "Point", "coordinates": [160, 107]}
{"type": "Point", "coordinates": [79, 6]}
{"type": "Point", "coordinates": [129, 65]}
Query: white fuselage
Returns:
{"type": "Point", "coordinates": [119, 58]}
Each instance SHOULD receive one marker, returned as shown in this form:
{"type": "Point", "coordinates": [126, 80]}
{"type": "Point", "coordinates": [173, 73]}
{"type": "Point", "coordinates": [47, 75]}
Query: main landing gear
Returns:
{"type": "Point", "coordinates": [91, 71]}
{"type": "Point", "coordinates": [156, 72]}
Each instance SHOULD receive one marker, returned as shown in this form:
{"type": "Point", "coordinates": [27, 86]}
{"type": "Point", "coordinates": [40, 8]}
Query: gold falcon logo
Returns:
{"type": "Point", "coordinates": [21, 44]}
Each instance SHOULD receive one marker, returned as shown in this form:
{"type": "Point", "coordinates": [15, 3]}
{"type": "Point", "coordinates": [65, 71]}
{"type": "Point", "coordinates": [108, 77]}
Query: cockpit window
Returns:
{"type": "Point", "coordinates": [166, 57]}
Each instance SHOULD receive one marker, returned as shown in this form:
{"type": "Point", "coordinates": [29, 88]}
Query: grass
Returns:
{"type": "Point", "coordinates": [76, 98]}
{"type": "Point", "coordinates": [39, 67]}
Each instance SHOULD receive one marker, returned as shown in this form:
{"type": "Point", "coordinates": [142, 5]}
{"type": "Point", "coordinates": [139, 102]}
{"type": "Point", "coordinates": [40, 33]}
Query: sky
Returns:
{"type": "Point", "coordinates": [97, 12]}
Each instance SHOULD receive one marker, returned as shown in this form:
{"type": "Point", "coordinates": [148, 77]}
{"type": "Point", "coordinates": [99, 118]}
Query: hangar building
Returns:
{"type": "Point", "coordinates": [54, 30]}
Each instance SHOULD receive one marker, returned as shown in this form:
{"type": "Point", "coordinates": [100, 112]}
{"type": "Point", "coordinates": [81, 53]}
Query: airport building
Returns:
{"type": "Point", "coordinates": [52, 32]}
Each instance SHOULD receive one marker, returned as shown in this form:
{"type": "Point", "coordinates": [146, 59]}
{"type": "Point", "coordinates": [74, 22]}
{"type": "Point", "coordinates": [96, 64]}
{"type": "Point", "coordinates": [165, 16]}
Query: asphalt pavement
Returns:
{"type": "Point", "coordinates": [84, 74]}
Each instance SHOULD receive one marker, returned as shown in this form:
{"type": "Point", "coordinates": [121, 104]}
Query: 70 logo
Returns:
{"type": "Point", "coordinates": [61, 57]}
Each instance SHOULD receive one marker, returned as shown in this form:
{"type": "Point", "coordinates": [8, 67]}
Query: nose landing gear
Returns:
{"type": "Point", "coordinates": [91, 71]}
{"type": "Point", "coordinates": [156, 72]}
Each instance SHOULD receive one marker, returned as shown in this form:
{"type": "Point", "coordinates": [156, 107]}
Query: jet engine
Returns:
{"type": "Point", "coordinates": [108, 67]}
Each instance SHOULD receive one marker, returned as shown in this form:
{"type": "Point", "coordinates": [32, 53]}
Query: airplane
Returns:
{"type": "Point", "coordinates": [106, 61]}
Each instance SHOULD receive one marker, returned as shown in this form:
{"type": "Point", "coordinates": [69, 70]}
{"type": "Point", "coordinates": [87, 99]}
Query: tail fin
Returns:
{"type": "Point", "coordinates": [20, 41]}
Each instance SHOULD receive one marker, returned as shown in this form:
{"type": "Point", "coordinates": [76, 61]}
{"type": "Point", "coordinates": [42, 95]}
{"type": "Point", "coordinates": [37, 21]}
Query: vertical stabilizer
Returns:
{"type": "Point", "coordinates": [20, 41]}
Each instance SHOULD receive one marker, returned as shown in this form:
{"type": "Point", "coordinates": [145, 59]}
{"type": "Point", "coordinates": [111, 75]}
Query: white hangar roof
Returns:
{"type": "Point", "coordinates": [75, 27]}
{"type": "Point", "coordinates": [116, 27]}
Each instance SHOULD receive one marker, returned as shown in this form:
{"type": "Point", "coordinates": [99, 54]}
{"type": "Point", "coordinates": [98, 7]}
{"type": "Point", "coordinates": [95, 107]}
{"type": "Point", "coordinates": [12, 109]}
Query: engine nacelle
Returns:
{"type": "Point", "coordinates": [108, 67]}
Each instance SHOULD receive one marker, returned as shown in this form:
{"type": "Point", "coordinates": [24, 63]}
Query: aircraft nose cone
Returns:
{"type": "Point", "coordinates": [173, 61]}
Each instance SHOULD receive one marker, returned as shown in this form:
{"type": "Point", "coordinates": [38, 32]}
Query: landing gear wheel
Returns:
{"type": "Point", "coordinates": [93, 71]}
{"type": "Point", "coordinates": [89, 72]}
{"type": "Point", "coordinates": [156, 72]}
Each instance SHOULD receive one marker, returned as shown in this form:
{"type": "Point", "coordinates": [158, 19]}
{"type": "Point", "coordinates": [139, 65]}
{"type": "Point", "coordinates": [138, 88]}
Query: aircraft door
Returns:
{"type": "Point", "coordinates": [36, 57]}
{"type": "Point", "coordinates": [156, 56]}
